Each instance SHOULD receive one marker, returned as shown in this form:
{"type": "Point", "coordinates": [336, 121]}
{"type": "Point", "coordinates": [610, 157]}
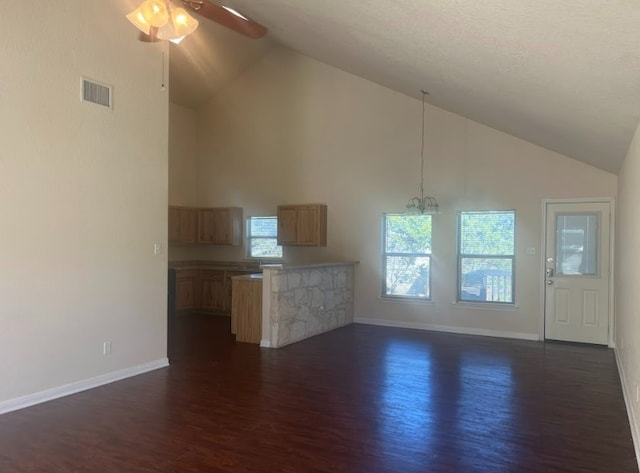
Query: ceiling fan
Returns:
{"type": "Point", "coordinates": [170, 20]}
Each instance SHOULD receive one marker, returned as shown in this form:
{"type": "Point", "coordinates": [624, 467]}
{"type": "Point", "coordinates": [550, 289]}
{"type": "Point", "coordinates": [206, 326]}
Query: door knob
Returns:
{"type": "Point", "coordinates": [549, 282]}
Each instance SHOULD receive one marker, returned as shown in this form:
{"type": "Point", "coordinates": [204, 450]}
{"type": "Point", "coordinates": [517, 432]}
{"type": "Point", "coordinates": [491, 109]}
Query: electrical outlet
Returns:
{"type": "Point", "coordinates": [106, 348]}
{"type": "Point", "coordinates": [531, 251]}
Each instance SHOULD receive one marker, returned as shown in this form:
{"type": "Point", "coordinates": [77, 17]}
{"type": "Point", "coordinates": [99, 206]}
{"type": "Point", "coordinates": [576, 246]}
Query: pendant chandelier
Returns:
{"type": "Point", "coordinates": [422, 204]}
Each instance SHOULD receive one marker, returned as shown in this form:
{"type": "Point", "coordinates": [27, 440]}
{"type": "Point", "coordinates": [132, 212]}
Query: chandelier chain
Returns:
{"type": "Point", "coordinates": [423, 204]}
{"type": "Point", "coordinates": [422, 150]}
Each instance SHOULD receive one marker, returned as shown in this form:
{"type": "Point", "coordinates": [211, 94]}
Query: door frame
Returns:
{"type": "Point", "coordinates": [612, 241]}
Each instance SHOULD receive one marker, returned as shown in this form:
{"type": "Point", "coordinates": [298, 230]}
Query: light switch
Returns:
{"type": "Point", "coordinates": [531, 251]}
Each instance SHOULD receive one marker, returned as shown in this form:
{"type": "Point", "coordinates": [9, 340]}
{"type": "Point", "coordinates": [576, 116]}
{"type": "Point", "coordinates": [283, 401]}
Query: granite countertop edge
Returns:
{"type": "Point", "coordinates": [250, 265]}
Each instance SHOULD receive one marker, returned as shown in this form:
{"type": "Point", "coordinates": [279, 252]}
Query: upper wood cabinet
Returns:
{"type": "Point", "coordinates": [211, 226]}
{"type": "Point", "coordinates": [220, 226]}
{"type": "Point", "coordinates": [302, 225]}
{"type": "Point", "coordinates": [183, 225]}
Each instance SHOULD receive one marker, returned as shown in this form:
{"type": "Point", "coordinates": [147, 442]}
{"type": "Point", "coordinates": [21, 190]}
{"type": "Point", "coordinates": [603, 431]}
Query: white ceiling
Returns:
{"type": "Point", "coordinates": [563, 74]}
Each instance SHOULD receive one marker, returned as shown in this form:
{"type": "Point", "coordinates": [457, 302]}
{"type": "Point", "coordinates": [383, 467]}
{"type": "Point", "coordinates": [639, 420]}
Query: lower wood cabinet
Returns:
{"type": "Point", "coordinates": [205, 290]}
{"type": "Point", "coordinates": [213, 291]}
{"type": "Point", "coordinates": [186, 290]}
{"type": "Point", "coordinates": [246, 309]}
{"type": "Point", "coordinates": [228, 286]}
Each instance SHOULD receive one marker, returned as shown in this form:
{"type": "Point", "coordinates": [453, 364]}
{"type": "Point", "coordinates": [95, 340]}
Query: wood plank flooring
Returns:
{"type": "Point", "coordinates": [358, 399]}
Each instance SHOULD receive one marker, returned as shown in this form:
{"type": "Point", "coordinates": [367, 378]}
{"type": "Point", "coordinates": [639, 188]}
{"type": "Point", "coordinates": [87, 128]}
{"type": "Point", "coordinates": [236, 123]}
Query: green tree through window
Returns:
{"type": "Point", "coordinates": [486, 256]}
{"type": "Point", "coordinates": [262, 241]}
{"type": "Point", "coordinates": [407, 256]}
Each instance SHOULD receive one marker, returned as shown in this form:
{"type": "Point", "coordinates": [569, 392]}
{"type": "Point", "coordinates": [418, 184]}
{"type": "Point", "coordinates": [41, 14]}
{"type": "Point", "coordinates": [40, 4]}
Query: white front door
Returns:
{"type": "Point", "coordinates": [577, 272]}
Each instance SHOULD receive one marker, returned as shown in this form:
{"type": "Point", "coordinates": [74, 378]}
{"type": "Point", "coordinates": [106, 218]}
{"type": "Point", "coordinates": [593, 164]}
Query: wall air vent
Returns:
{"type": "Point", "coordinates": [95, 92]}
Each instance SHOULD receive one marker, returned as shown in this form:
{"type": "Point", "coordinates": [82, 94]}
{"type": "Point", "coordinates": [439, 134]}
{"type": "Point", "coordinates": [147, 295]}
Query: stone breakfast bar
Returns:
{"type": "Point", "coordinates": [299, 302]}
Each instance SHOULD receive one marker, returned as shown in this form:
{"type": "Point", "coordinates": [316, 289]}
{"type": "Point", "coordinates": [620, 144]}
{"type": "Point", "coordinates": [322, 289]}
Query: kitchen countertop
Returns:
{"type": "Point", "coordinates": [250, 265]}
{"type": "Point", "coordinates": [220, 265]}
{"type": "Point", "coordinates": [248, 276]}
{"type": "Point", "coordinates": [294, 267]}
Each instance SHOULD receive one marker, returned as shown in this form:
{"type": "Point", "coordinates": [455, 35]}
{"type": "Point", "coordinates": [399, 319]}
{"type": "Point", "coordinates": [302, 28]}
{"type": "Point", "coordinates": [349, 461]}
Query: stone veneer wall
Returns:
{"type": "Point", "coordinates": [307, 301]}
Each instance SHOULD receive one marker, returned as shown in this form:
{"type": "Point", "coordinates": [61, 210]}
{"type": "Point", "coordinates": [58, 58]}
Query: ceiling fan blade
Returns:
{"type": "Point", "coordinates": [224, 17]}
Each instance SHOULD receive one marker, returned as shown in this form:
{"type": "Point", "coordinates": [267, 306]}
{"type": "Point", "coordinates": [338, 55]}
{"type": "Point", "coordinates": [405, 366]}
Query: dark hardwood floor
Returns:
{"type": "Point", "coordinates": [358, 399]}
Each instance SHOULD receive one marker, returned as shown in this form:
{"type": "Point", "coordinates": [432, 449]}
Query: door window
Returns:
{"type": "Point", "coordinates": [577, 244]}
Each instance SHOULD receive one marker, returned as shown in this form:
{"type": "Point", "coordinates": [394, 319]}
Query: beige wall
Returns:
{"type": "Point", "coordinates": [83, 196]}
{"type": "Point", "coordinates": [627, 277]}
{"type": "Point", "coordinates": [293, 130]}
{"type": "Point", "coordinates": [183, 146]}
{"type": "Point", "coordinates": [183, 166]}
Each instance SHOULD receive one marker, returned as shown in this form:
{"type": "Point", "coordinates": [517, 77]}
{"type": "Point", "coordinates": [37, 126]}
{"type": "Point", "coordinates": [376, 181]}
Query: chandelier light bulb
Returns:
{"type": "Point", "coordinates": [155, 12]}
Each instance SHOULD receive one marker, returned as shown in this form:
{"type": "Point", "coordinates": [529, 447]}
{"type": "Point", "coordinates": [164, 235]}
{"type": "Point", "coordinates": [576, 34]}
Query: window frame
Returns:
{"type": "Point", "coordinates": [386, 255]}
{"type": "Point", "coordinates": [460, 256]}
{"type": "Point", "coordinates": [251, 237]}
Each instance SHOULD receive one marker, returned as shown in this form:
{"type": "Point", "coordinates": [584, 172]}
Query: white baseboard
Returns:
{"type": "Point", "coordinates": [448, 329]}
{"type": "Point", "coordinates": [628, 397]}
{"type": "Point", "coordinates": [265, 343]}
{"type": "Point", "coordinates": [67, 389]}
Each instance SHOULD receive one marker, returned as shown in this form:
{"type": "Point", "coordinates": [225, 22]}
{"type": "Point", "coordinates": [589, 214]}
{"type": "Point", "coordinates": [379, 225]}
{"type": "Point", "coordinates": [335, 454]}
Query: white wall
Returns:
{"type": "Point", "coordinates": [627, 277]}
{"type": "Point", "coordinates": [83, 196]}
{"type": "Point", "coordinates": [293, 130]}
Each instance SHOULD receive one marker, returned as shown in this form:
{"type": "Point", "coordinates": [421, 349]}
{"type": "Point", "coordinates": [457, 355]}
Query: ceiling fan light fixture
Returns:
{"type": "Point", "coordinates": [184, 23]}
{"type": "Point", "coordinates": [180, 25]}
{"type": "Point", "coordinates": [137, 18]}
{"type": "Point", "coordinates": [172, 23]}
{"type": "Point", "coordinates": [155, 12]}
{"type": "Point", "coordinates": [162, 19]}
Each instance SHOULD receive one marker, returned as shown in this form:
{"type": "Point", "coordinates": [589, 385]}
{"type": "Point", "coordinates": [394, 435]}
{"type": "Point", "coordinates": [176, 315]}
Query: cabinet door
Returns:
{"type": "Point", "coordinates": [206, 226]}
{"type": "Point", "coordinates": [302, 225]}
{"type": "Point", "coordinates": [223, 227]}
{"type": "Point", "coordinates": [182, 225]}
{"type": "Point", "coordinates": [287, 225]}
{"type": "Point", "coordinates": [246, 311]}
{"type": "Point", "coordinates": [188, 225]}
{"type": "Point", "coordinates": [220, 226]}
{"type": "Point", "coordinates": [213, 290]}
{"type": "Point", "coordinates": [187, 290]}
{"type": "Point", "coordinates": [307, 226]}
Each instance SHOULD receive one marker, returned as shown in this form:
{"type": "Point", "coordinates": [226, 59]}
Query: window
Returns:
{"type": "Point", "coordinates": [577, 244]}
{"type": "Point", "coordinates": [262, 238]}
{"type": "Point", "coordinates": [407, 256]}
{"type": "Point", "coordinates": [486, 257]}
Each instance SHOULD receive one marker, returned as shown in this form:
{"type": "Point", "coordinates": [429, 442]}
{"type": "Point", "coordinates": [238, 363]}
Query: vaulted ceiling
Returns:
{"type": "Point", "coordinates": [564, 75]}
